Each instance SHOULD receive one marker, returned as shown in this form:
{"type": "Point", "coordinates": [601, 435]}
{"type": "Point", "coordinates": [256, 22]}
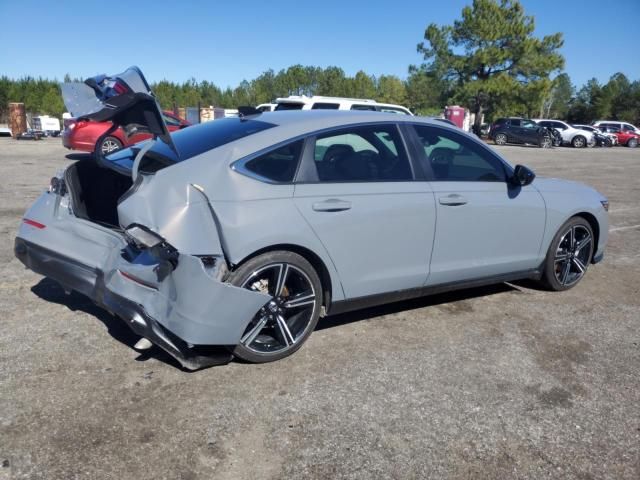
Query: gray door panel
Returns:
{"type": "Point", "coordinates": [378, 234]}
{"type": "Point", "coordinates": [484, 229]}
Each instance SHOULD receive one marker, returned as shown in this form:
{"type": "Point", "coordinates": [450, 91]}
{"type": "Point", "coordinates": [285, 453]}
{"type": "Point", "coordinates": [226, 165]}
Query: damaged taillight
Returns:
{"type": "Point", "coordinates": [143, 236]}
{"type": "Point", "coordinates": [57, 186]}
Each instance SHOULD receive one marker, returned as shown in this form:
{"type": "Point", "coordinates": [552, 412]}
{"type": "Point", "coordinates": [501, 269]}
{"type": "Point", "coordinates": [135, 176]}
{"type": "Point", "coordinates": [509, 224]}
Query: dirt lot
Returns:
{"type": "Point", "coordinates": [500, 382]}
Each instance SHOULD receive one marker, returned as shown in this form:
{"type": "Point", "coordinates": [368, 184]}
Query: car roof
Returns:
{"type": "Point", "coordinates": [310, 120]}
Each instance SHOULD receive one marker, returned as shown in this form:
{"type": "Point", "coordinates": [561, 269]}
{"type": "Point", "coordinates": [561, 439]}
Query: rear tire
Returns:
{"type": "Point", "coordinates": [569, 255]}
{"type": "Point", "coordinates": [109, 145]}
{"type": "Point", "coordinates": [284, 323]}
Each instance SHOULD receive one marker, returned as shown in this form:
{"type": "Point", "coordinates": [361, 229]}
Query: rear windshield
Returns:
{"type": "Point", "coordinates": [191, 141]}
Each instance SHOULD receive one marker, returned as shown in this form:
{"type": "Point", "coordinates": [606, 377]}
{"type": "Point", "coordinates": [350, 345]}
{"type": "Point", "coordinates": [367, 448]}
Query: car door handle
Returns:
{"type": "Point", "coordinates": [453, 200]}
{"type": "Point", "coordinates": [332, 205]}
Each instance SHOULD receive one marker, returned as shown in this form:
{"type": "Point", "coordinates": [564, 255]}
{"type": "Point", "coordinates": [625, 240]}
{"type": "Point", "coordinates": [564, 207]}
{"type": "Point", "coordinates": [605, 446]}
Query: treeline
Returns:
{"type": "Point", "coordinates": [619, 98]}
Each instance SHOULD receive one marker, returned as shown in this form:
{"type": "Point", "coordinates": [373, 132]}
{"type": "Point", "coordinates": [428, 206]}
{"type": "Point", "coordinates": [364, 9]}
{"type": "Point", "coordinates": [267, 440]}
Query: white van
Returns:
{"type": "Point", "coordinates": [316, 102]}
{"type": "Point", "coordinates": [48, 125]}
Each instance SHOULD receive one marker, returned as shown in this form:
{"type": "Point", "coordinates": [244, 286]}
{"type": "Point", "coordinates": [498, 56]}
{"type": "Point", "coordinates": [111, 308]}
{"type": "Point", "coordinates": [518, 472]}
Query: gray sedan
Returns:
{"type": "Point", "coordinates": [234, 237]}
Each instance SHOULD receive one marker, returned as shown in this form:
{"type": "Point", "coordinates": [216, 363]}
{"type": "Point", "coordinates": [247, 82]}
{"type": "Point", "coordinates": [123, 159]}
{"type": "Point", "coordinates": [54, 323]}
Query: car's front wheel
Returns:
{"type": "Point", "coordinates": [569, 255]}
{"type": "Point", "coordinates": [281, 326]}
{"type": "Point", "coordinates": [633, 143]}
{"type": "Point", "coordinates": [546, 142]}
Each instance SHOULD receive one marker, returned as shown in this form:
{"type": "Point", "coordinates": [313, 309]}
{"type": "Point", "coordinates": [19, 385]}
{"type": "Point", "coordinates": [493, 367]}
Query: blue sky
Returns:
{"type": "Point", "coordinates": [226, 42]}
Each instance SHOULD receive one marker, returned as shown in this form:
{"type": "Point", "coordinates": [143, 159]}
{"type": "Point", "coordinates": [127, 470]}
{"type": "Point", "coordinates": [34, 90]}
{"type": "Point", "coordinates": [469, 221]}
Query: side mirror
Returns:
{"type": "Point", "coordinates": [522, 176]}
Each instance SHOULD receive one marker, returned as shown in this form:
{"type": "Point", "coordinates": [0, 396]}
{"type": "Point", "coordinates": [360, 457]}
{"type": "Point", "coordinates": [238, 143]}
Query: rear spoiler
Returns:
{"type": "Point", "coordinates": [124, 99]}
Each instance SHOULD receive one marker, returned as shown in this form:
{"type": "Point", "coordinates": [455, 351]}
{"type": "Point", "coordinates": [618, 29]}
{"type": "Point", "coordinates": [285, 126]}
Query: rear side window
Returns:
{"type": "Point", "coordinates": [289, 106]}
{"type": "Point", "coordinates": [278, 165]}
{"type": "Point", "coordinates": [399, 111]}
{"type": "Point", "coordinates": [325, 106]}
{"type": "Point", "coordinates": [363, 107]}
{"type": "Point", "coordinates": [452, 157]}
{"type": "Point", "coordinates": [373, 153]}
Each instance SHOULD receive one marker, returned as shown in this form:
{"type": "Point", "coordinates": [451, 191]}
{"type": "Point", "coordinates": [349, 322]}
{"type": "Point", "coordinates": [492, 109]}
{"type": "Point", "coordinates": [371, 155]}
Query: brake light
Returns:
{"type": "Point", "coordinates": [33, 223]}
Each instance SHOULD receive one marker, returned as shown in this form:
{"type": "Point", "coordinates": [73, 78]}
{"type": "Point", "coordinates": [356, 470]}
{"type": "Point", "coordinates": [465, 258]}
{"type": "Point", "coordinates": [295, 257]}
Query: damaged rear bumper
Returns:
{"type": "Point", "coordinates": [90, 282]}
{"type": "Point", "coordinates": [184, 312]}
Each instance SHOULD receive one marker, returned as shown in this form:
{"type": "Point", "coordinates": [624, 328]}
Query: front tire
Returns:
{"type": "Point", "coordinates": [280, 327]}
{"type": "Point", "coordinates": [569, 255]}
{"type": "Point", "coordinates": [578, 141]}
{"type": "Point", "coordinates": [632, 143]}
{"type": "Point", "coordinates": [546, 142]}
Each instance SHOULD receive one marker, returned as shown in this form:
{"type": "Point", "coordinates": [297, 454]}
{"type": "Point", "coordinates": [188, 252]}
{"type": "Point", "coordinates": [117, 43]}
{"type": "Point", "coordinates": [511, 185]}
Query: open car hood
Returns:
{"type": "Point", "coordinates": [124, 99]}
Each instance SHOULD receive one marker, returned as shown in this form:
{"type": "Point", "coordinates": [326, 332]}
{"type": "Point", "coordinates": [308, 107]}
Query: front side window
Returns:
{"type": "Point", "coordinates": [362, 154]}
{"type": "Point", "coordinates": [560, 125]}
{"type": "Point", "coordinates": [453, 158]}
{"type": "Point", "coordinates": [627, 128]}
{"type": "Point", "coordinates": [529, 124]}
{"type": "Point", "coordinates": [278, 165]}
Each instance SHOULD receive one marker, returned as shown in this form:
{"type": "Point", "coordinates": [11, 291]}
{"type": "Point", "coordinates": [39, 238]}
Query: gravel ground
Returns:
{"type": "Point", "coordinates": [499, 382]}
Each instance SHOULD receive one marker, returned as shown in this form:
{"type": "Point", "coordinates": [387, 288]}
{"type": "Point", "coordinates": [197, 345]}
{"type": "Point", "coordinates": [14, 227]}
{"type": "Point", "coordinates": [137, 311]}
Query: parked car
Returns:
{"type": "Point", "coordinates": [570, 136]}
{"type": "Point", "coordinates": [243, 232]}
{"type": "Point", "coordinates": [83, 134]}
{"type": "Point", "coordinates": [519, 130]}
{"type": "Point", "coordinates": [601, 139]}
{"type": "Point", "coordinates": [622, 126]}
{"type": "Point", "coordinates": [302, 102]}
{"type": "Point", "coordinates": [627, 137]}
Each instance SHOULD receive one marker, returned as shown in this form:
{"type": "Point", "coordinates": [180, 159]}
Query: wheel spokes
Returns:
{"type": "Point", "coordinates": [566, 268]}
{"type": "Point", "coordinates": [281, 278]}
{"type": "Point", "coordinates": [251, 335]}
{"type": "Point", "coordinates": [300, 300]}
{"type": "Point", "coordinates": [583, 243]}
{"type": "Point", "coordinates": [578, 263]}
{"type": "Point", "coordinates": [284, 330]}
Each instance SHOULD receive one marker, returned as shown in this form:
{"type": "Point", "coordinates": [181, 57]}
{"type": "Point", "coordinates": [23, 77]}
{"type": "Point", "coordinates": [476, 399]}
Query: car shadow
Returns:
{"type": "Point", "coordinates": [51, 291]}
{"type": "Point", "coordinates": [79, 156]}
{"type": "Point", "coordinates": [413, 304]}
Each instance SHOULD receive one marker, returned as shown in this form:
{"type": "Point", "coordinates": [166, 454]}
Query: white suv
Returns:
{"type": "Point", "coordinates": [302, 102]}
{"type": "Point", "coordinates": [573, 136]}
{"type": "Point", "coordinates": [623, 126]}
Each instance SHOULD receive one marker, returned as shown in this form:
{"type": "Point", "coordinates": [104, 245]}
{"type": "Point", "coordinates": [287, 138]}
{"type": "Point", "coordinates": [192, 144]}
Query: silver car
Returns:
{"type": "Point", "coordinates": [242, 233]}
